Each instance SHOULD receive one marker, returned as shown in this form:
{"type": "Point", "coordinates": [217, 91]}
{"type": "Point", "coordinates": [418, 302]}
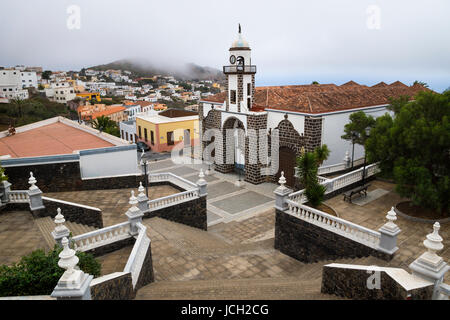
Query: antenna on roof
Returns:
{"type": "Point", "coordinates": [239, 28]}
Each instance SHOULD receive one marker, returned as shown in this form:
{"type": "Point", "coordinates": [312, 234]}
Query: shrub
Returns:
{"type": "Point", "coordinates": [315, 193]}
{"type": "Point", "coordinates": [38, 273]}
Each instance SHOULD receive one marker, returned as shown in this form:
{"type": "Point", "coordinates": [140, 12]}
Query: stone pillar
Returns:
{"type": "Point", "coordinates": [202, 184]}
{"type": "Point", "coordinates": [429, 265]}
{"type": "Point", "coordinates": [74, 284]}
{"type": "Point", "coordinates": [35, 194]}
{"type": "Point", "coordinates": [5, 188]}
{"type": "Point", "coordinates": [142, 198]}
{"type": "Point", "coordinates": [281, 194]}
{"type": "Point", "coordinates": [61, 231]}
{"type": "Point", "coordinates": [389, 232]}
{"type": "Point", "coordinates": [134, 214]}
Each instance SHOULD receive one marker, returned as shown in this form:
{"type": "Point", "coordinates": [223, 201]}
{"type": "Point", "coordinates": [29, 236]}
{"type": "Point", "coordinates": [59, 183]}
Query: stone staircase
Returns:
{"type": "Point", "coordinates": [46, 226]}
{"type": "Point", "coordinates": [304, 284]}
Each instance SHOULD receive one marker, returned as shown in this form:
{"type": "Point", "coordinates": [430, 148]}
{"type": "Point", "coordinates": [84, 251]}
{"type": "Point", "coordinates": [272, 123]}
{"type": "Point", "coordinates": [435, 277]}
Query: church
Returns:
{"type": "Point", "coordinates": [305, 116]}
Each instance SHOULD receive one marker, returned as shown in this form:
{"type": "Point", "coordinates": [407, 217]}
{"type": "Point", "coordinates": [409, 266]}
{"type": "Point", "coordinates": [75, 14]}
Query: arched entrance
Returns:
{"type": "Point", "coordinates": [234, 144]}
{"type": "Point", "coordinates": [287, 164]}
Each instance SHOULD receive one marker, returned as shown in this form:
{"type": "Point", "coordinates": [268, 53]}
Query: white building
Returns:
{"type": "Point", "coordinates": [23, 79]}
{"type": "Point", "coordinates": [61, 92]}
{"type": "Point", "coordinates": [128, 130]}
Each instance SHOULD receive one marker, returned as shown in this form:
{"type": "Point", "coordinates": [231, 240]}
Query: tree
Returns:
{"type": "Point", "coordinates": [46, 74]}
{"type": "Point", "coordinates": [356, 129]}
{"type": "Point", "coordinates": [421, 83]}
{"type": "Point", "coordinates": [396, 105]}
{"type": "Point", "coordinates": [106, 125]}
{"type": "Point", "coordinates": [414, 148]}
{"type": "Point", "coordinates": [38, 273]}
{"type": "Point", "coordinates": [307, 168]}
{"type": "Point", "coordinates": [321, 154]}
{"type": "Point", "coordinates": [314, 82]}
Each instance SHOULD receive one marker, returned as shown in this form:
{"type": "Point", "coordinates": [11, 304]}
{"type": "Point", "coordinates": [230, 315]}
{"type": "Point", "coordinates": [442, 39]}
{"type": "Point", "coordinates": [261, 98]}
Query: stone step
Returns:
{"type": "Point", "coordinates": [46, 225]}
{"type": "Point", "coordinates": [235, 289]}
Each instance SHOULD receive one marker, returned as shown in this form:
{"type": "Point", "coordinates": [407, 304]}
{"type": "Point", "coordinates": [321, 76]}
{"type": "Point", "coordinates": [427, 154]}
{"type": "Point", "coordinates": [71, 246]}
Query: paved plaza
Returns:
{"type": "Point", "coordinates": [236, 256]}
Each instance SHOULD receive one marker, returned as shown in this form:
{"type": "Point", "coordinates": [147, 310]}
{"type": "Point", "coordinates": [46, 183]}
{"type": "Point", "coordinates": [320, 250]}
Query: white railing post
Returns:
{"type": "Point", "coordinates": [142, 198]}
{"type": "Point", "coordinates": [347, 160]}
{"type": "Point", "coordinates": [74, 284]}
{"type": "Point", "coordinates": [5, 189]}
{"type": "Point", "coordinates": [35, 194]}
{"type": "Point", "coordinates": [281, 194]}
{"type": "Point", "coordinates": [429, 265]}
{"type": "Point", "coordinates": [60, 231]}
{"type": "Point", "coordinates": [134, 215]}
{"type": "Point", "coordinates": [389, 233]}
{"type": "Point", "coordinates": [202, 184]}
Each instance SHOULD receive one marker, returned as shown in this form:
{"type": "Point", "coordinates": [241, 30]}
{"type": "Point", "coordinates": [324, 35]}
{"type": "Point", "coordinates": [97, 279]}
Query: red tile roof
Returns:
{"type": "Point", "coordinates": [52, 139]}
{"type": "Point", "coordinates": [107, 112]}
{"type": "Point", "coordinates": [320, 98]}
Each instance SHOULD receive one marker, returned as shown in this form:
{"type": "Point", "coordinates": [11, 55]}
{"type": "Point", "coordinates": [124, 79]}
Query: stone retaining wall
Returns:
{"type": "Point", "coordinates": [65, 176]}
{"type": "Point", "coordinates": [117, 288]}
{"type": "Point", "coordinates": [309, 243]}
{"type": "Point", "coordinates": [191, 213]}
{"type": "Point", "coordinates": [71, 212]}
{"type": "Point", "coordinates": [352, 283]}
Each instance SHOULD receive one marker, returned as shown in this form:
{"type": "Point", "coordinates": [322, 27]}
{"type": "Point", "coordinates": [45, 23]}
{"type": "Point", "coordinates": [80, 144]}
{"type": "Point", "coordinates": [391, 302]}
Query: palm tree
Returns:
{"type": "Point", "coordinates": [102, 123]}
{"type": "Point", "coordinates": [307, 168]}
{"type": "Point", "coordinates": [322, 153]}
{"type": "Point", "coordinates": [18, 103]}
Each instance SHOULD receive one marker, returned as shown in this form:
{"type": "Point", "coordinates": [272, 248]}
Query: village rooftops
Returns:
{"type": "Point", "coordinates": [322, 98]}
{"type": "Point", "coordinates": [55, 136]}
{"type": "Point", "coordinates": [170, 115]}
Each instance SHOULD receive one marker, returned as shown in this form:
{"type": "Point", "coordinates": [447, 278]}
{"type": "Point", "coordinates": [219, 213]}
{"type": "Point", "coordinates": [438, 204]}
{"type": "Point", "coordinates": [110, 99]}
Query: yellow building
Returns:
{"type": "Point", "coordinates": [163, 131]}
{"type": "Point", "coordinates": [90, 95]}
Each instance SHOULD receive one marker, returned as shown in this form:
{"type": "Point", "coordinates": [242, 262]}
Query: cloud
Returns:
{"type": "Point", "coordinates": [321, 40]}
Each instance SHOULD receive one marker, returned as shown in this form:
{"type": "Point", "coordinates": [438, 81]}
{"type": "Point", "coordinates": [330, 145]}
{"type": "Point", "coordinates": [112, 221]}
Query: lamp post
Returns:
{"type": "Point", "coordinates": [354, 136]}
{"type": "Point", "coordinates": [365, 157]}
{"type": "Point", "coordinates": [144, 165]}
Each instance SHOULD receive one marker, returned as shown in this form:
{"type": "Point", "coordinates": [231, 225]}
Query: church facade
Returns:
{"type": "Point", "coordinates": [304, 116]}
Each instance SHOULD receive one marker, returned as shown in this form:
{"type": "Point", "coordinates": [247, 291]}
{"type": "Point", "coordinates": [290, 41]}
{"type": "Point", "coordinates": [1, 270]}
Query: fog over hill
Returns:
{"type": "Point", "coordinates": [144, 68]}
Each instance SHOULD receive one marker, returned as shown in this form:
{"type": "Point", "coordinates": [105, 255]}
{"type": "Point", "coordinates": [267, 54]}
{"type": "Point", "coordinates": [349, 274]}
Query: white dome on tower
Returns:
{"type": "Point", "coordinates": [240, 42]}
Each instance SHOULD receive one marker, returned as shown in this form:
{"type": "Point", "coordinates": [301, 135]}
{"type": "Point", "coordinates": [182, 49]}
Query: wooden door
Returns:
{"type": "Point", "coordinates": [287, 164]}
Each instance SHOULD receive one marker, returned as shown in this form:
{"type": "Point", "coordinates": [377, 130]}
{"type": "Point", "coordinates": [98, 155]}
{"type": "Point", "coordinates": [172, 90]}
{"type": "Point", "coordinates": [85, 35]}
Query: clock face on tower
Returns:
{"type": "Point", "coordinates": [232, 59]}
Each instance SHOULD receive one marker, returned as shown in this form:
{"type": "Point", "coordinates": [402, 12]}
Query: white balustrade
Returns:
{"type": "Point", "coordinates": [172, 199]}
{"type": "Point", "coordinates": [332, 168]}
{"type": "Point", "coordinates": [101, 237]}
{"type": "Point", "coordinates": [334, 224]}
{"type": "Point", "coordinates": [18, 196]}
{"type": "Point", "coordinates": [170, 177]}
{"type": "Point", "coordinates": [138, 254]}
{"type": "Point", "coordinates": [298, 196]}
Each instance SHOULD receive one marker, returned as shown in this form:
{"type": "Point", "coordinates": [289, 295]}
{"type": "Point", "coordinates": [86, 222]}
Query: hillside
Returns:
{"type": "Point", "coordinates": [189, 71]}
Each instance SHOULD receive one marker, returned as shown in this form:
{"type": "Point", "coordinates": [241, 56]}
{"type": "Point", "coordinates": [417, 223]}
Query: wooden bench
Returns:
{"type": "Point", "coordinates": [358, 190]}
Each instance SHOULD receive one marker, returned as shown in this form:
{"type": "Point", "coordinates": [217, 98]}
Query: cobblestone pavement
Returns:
{"type": "Point", "coordinates": [19, 236]}
{"type": "Point", "coordinates": [113, 203]}
{"type": "Point", "coordinates": [372, 215]}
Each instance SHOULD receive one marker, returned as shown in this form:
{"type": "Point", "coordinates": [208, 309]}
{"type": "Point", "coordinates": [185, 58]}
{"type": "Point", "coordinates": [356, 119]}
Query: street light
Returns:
{"type": "Point", "coordinates": [144, 165]}
{"type": "Point", "coordinates": [365, 155]}
{"type": "Point", "coordinates": [354, 136]}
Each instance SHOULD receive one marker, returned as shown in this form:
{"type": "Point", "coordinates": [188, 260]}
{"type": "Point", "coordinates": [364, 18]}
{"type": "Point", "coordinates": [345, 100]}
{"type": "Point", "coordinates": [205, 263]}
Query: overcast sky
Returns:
{"type": "Point", "coordinates": [293, 42]}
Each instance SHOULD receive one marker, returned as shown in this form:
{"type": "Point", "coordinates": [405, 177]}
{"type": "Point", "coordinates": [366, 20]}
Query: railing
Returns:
{"type": "Point", "coordinates": [172, 199]}
{"type": "Point", "coordinates": [101, 237]}
{"type": "Point", "coordinates": [334, 224]}
{"type": "Point", "coordinates": [444, 291]}
{"type": "Point", "coordinates": [332, 168]}
{"type": "Point", "coordinates": [18, 196]}
{"type": "Point", "coordinates": [346, 179]}
{"type": "Point", "coordinates": [170, 177]}
{"type": "Point", "coordinates": [239, 68]}
{"type": "Point", "coordinates": [298, 196]}
{"type": "Point", "coordinates": [137, 256]}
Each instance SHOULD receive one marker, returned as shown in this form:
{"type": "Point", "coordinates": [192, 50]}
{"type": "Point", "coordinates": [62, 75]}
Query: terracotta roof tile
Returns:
{"type": "Point", "coordinates": [325, 97]}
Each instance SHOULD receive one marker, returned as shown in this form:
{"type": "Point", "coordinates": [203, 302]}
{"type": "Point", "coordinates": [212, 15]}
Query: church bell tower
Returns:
{"type": "Point", "coordinates": [240, 76]}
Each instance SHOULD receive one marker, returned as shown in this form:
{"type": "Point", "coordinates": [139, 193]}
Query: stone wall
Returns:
{"type": "Point", "coordinates": [352, 283]}
{"type": "Point", "coordinates": [313, 132]}
{"type": "Point", "coordinates": [309, 243]}
{"type": "Point", "coordinates": [73, 213]}
{"type": "Point", "coordinates": [118, 288]}
{"type": "Point", "coordinates": [253, 163]}
{"type": "Point", "coordinates": [191, 213]}
{"type": "Point", "coordinates": [65, 176]}
{"type": "Point", "coordinates": [146, 275]}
